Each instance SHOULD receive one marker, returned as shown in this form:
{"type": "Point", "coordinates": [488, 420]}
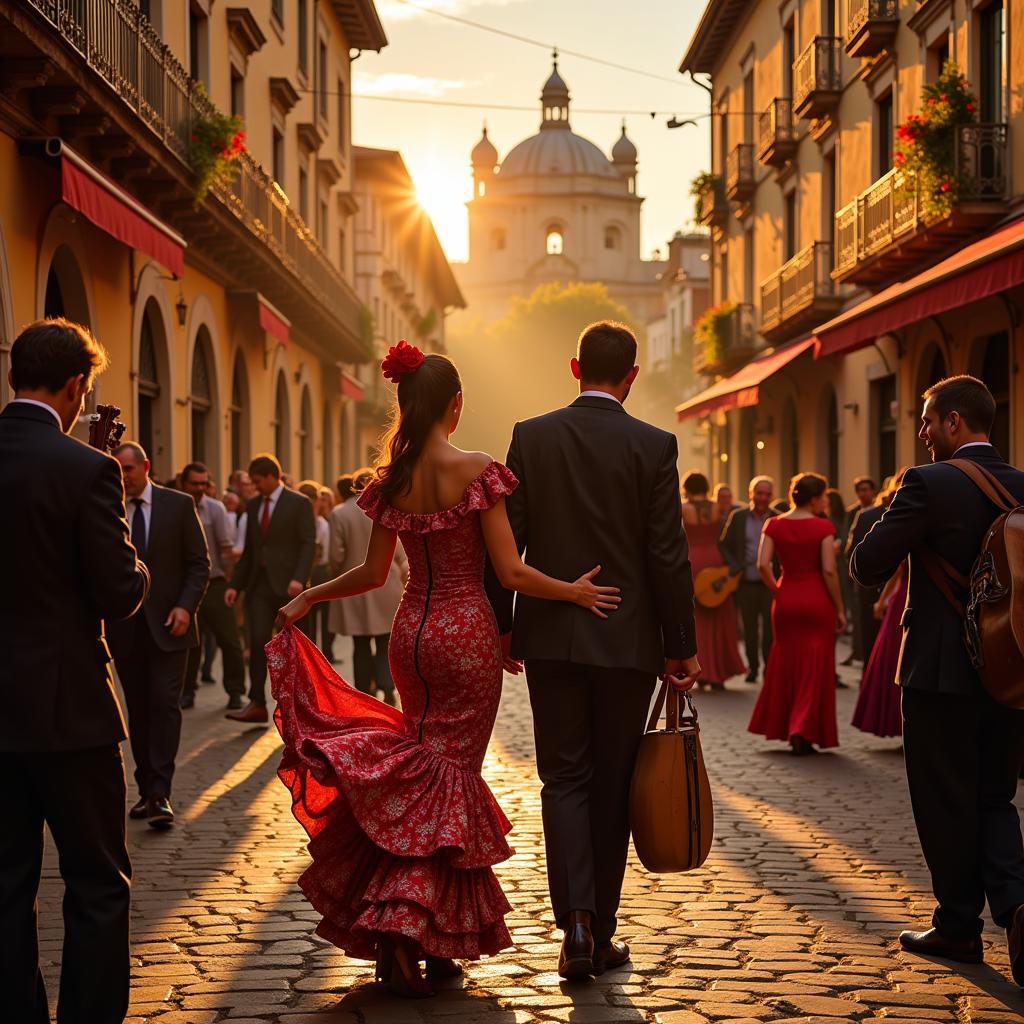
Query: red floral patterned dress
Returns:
{"type": "Point", "coordinates": [403, 829]}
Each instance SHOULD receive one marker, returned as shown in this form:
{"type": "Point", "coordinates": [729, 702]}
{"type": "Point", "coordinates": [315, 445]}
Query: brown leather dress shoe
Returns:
{"type": "Point", "coordinates": [576, 959]}
{"type": "Point", "coordinates": [250, 713]}
{"type": "Point", "coordinates": [1015, 943]}
{"type": "Point", "coordinates": [609, 955]}
{"type": "Point", "coordinates": [160, 813]}
{"type": "Point", "coordinates": [140, 809]}
{"type": "Point", "coordinates": [934, 943]}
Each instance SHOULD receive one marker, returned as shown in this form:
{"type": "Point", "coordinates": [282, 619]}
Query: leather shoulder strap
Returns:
{"type": "Point", "coordinates": [940, 573]}
{"type": "Point", "coordinates": [987, 483]}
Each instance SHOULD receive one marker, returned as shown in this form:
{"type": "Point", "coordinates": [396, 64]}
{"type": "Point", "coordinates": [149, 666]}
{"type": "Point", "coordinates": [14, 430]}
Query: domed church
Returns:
{"type": "Point", "coordinates": [556, 209]}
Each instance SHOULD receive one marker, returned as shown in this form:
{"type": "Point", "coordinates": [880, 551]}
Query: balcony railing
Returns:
{"type": "Point", "coordinates": [118, 42]}
{"type": "Point", "coordinates": [737, 343]}
{"type": "Point", "coordinates": [802, 285]}
{"type": "Point", "coordinates": [871, 26]}
{"type": "Point", "coordinates": [890, 215]}
{"type": "Point", "coordinates": [739, 173]}
{"type": "Point", "coordinates": [816, 78]}
{"type": "Point", "coordinates": [777, 139]}
{"type": "Point", "coordinates": [713, 208]}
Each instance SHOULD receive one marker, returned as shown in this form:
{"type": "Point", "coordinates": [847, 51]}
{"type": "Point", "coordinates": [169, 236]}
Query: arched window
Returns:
{"type": "Point", "coordinates": [612, 237]}
{"type": "Point", "coordinates": [239, 415]}
{"type": "Point", "coordinates": [282, 423]}
{"type": "Point", "coordinates": [201, 396]}
{"type": "Point", "coordinates": [148, 381]}
{"type": "Point", "coordinates": [553, 245]}
{"type": "Point", "coordinates": [53, 303]}
{"type": "Point", "coordinates": [306, 436]}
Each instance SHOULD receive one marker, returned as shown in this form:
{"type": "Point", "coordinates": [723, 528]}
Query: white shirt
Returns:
{"type": "Point", "coordinates": [42, 405]}
{"type": "Point", "coordinates": [973, 444]}
{"type": "Point", "coordinates": [599, 394]}
{"type": "Point", "coordinates": [240, 528]}
{"type": "Point", "coordinates": [323, 540]}
{"type": "Point", "coordinates": [271, 500]}
{"type": "Point", "coordinates": [147, 507]}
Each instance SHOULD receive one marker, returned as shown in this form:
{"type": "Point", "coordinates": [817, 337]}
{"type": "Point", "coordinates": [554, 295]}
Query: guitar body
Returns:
{"type": "Point", "coordinates": [714, 586]}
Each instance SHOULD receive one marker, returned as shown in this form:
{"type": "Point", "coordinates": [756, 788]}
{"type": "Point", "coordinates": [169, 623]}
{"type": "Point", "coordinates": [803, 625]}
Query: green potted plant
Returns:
{"type": "Point", "coordinates": [711, 331]}
{"type": "Point", "coordinates": [216, 143]}
{"type": "Point", "coordinates": [702, 185]}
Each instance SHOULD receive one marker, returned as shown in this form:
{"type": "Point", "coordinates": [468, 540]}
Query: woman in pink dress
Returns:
{"type": "Point", "coordinates": [798, 700]}
{"type": "Point", "coordinates": [403, 830]}
{"type": "Point", "coordinates": [717, 635]}
{"type": "Point", "coordinates": [878, 705]}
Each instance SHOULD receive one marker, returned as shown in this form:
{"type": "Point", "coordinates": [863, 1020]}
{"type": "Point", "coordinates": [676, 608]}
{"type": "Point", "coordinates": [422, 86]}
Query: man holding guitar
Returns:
{"type": "Point", "coordinates": [68, 565]}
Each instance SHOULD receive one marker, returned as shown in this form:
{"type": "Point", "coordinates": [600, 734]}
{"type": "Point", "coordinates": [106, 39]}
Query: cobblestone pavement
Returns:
{"type": "Point", "coordinates": [815, 869]}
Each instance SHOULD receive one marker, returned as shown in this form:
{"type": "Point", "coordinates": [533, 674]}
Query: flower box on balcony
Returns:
{"type": "Point", "coordinates": [724, 338]}
{"type": "Point", "coordinates": [871, 27]}
{"type": "Point", "coordinates": [708, 192]}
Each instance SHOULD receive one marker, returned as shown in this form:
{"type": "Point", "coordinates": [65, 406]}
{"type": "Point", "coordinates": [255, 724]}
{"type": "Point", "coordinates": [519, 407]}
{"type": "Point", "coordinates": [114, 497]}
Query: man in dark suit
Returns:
{"type": "Point", "coordinates": [865, 597]}
{"type": "Point", "coordinates": [596, 487]}
{"type": "Point", "coordinates": [151, 649]}
{"type": "Point", "coordinates": [280, 542]}
{"type": "Point", "coordinates": [963, 750]}
{"type": "Point", "coordinates": [738, 544]}
{"type": "Point", "coordinates": [866, 490]}
{"type": "Point", "coordinates": [67, 567]}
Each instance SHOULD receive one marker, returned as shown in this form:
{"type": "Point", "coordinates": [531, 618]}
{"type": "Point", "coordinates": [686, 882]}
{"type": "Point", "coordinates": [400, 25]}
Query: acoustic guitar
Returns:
{"type": "Point", "coordinates": [105, 429]}
{"type": "Point", "coordinates": [714, 585]}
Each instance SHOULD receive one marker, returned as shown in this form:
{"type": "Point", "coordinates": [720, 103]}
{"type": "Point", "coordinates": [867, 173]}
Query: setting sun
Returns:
{"type": "Point", "coordinates": [443, 185]}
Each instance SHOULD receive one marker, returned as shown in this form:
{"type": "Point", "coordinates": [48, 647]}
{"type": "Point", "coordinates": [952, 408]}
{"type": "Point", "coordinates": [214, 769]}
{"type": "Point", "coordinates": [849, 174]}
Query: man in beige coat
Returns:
{"type": "Point", "coordinates": [367, 618]}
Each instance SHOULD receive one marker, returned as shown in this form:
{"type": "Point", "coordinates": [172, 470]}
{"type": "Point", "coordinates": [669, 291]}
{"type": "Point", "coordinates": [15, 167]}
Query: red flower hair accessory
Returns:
{"type": "Point", "coordinates": [401, 359]}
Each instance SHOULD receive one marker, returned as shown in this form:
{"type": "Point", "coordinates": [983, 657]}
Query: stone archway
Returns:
{"type": "Point", "coordinates": [240, 428]}
{"type": "Point", "coordinates": [204, 406]}
{"type": "Point", "coordinates": [282, 422]}
{"type": "Point", "coordinates": [153, 391]}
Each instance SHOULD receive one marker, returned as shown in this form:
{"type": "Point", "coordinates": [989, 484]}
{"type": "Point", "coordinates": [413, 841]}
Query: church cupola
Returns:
{"type": "Point", "coordinates": [554, 100]}
{"type": "Point", "coordinates": [624, 157]}
{"type": "Point", "coordinates": [484, 158]}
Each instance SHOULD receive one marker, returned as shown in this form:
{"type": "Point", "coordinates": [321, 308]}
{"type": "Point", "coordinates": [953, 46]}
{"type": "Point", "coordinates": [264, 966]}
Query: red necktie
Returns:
{"type": "Point", "coordinates": [265, 516]}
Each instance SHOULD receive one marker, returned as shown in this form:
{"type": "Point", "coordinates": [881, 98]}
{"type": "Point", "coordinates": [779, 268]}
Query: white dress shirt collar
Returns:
{"type": "Point", "coordinates": [973, 444]}
{"type": "Point", "coordinates": [42, 405]}
{"type": "Point", "coordinates": [599, 394]}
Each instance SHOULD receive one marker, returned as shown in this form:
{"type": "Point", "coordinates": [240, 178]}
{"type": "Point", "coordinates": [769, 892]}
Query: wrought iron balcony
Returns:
{"type": "Point", "coordinates": [736, 343]}
{"type": "Point", "coordinates": [246, 231]}
{"type": "Point", "coordinates": [739, 173]}
{"type": "Point", "coordinates": [817, 84]}
{"type": "Point", "coordinates": [887, 230]}
{"type": "Point", "coordinates": [714, 210]}
{"type": "Point", "coordinates": [871, 26]}
{"type": "Point", "coordinates": [777, 138]}
{"type": "Point", "coordinates": [799, 292]}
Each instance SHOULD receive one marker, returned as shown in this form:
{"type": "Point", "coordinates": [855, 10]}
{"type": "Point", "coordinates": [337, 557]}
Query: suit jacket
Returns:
{"type": "Point", "coordinates": [732, 544]}
{"type": "Point", "coordinates": [179, 565]}
{"type": "Point", "coordinates": [286, 553]}
{"type": "Point", "coordinates": [597, 486]}
{"type": "Point", "coordinates": [67, 566]}
{"type": "Point", "coordinates": [863, 520]}
{"type": "Point", "coordinates": [936, 509]}
{"type": "Point", "coordinates": [372, 613]}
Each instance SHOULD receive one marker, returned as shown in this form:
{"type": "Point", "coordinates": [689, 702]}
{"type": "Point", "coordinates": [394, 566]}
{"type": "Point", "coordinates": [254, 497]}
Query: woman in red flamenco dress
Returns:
{"type": "Point", "coordinates": [717, 639]}
{"type": "Point", "coordinates": [403, 830]}
{"type": "Point", "coordinates": [798, 700]}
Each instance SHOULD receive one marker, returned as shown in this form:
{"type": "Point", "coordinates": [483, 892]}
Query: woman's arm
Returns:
{"type": "Point", "coordinates": [513, 574]}
{"type": "Point", "coordinates": [373, 573]}
{"type": "Point", "coordinates": [765, 562]}
{"type": "Point", "coordinates": [828, 569]}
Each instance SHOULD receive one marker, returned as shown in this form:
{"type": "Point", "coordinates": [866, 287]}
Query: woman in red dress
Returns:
{"type": "Point", "coordinates": [798, 700]}
{"type": "Point", "coordinates": [403, 830]}
{"type": "Point", "coordinates": [717, 639]}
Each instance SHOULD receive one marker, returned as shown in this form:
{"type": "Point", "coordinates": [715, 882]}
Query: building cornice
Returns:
{"type": "Point", "coordinates": [713, 33]}
{"type": "Point", "coordinates": [362, 24]}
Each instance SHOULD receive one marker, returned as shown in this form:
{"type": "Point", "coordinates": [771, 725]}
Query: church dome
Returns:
{"type": "Point", "coordinates": [624, 152]}
{"type": "Point", "coordinates": [550, 152]}
{"type": "Point", "coordinates": [484, 154]}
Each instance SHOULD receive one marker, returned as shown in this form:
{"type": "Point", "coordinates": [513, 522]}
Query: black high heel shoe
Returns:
{"type": "Point", "coordinates": [442, 969]}
{"type": "Point", "coordinates": [399, 972]}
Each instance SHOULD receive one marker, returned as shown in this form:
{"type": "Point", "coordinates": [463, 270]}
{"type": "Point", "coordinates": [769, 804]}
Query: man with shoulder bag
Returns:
{"type": "Point", "coordinates": [963, 749]}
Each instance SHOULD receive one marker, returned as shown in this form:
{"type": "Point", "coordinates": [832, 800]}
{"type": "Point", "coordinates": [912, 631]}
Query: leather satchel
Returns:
{"type": "Point", "coordinates": [670, 807]}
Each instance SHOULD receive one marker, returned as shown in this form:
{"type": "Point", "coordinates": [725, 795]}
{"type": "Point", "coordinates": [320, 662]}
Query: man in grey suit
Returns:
{"type": "Point", "coordinates": [596, 487]}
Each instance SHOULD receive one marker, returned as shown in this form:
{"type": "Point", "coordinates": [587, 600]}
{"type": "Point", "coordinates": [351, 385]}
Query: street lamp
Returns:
{"type": "Point", "coordinates": [182, 309]}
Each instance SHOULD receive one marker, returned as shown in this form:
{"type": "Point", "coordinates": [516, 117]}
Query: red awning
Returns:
{"type": "Point", "coordinates": [352, 387]}
{"type": "Point", "coordinates": [982, 268]}
{"type": "Point", "coordinates": [741, 389]}
{"type": "Point", "coordinates": [113, 210]}
{"type": "Point", "coordinates": [273, 322]}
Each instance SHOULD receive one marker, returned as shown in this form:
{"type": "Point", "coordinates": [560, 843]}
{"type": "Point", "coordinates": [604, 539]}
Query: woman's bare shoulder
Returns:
{"type": "Point", "coordinates": [467, 466]}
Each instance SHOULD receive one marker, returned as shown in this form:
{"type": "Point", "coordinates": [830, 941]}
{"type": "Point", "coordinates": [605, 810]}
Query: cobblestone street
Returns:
{"type": "Point", "coordinates": [815, 869]}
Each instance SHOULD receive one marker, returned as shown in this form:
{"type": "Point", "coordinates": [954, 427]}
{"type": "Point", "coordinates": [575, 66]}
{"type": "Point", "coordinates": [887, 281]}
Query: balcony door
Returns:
{"type": "Point", "coordinates": [991, 63]}
{"type": "Point", "coordinates": [883, 135]}
{"type": "Point", "coordinates": [883, 408]}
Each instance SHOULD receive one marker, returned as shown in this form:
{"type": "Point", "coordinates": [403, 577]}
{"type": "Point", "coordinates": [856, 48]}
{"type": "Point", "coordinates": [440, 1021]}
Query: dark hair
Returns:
{"type": "Point", "coordinates": [138, 452]}
{"type": "Point", "coordinates": [265, 465]}
{"type": "Point", "coordinates": [606, 351]}
{"type": "Point", "coordinates": [696, 483]}
{"type": "Point", "coordinates": [343, 485]}
{"type": "Point", "coordinates": [860, 480]}
{"type": "Point", "coordinates": [805, 486]}
{"type": "Point", "coordinates": [965, 395]}
{"type": "Point", "coordinates": [194, 467]}
{"type": "Point", "coordinates": [48, 353]}
{"type": "Point", "coordinates": [423, 397]}
{"type": "Point", "coordinates": [836, 505]}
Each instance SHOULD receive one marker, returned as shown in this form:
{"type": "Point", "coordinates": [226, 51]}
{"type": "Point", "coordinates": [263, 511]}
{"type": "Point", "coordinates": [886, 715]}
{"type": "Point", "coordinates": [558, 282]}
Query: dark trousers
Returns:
{"type": "Point", "coordinates": [80, 794]}
{"type": "Point", "coordinates": [261, 607]}
{"type": "Point", "coordinates": [754, 601]}
{"type": "Point", "coordinates": [963, 756]}
{"type": "Point", "coordinates": [371, 666]}
{"type": "Point", "coordinates": [314, 625]}
{"type": "Point", "coordinates": [208, 639]}
{"type": "Point", "coordinates": [587, 723]}
{"type": "Point", "coordinates": [869, 625]}
{"type": "Point", "coordinates": [218, 620]}
{"type": "Point", "coordinates": [152, 681]}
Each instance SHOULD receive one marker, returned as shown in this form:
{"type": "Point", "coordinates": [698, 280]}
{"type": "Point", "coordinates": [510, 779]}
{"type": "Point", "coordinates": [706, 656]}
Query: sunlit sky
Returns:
{"type": "Point", "coordinates": [432, 58]}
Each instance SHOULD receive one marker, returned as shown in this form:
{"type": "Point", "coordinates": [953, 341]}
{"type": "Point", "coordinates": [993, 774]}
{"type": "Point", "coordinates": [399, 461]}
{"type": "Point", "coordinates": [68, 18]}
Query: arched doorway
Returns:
{"type": "Point", "coordinates": [202, 396]}
{"type": "Point", "coordinates": [282, 423]}
{"type": "Point", "coordinates": [152, 390]}
{"type": "Point", "coordinates": [789, 445]}
{"type": "Point", "coordinates": [994, 368]}
{"type": "Point", "coordinates": [306, 435]}
{"type": "Point", "coordinates": [931, 370]}
{"type": "Point", "coordinates": [239, 415]}
{"type": "Point", "coordinates": [65, 288]}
